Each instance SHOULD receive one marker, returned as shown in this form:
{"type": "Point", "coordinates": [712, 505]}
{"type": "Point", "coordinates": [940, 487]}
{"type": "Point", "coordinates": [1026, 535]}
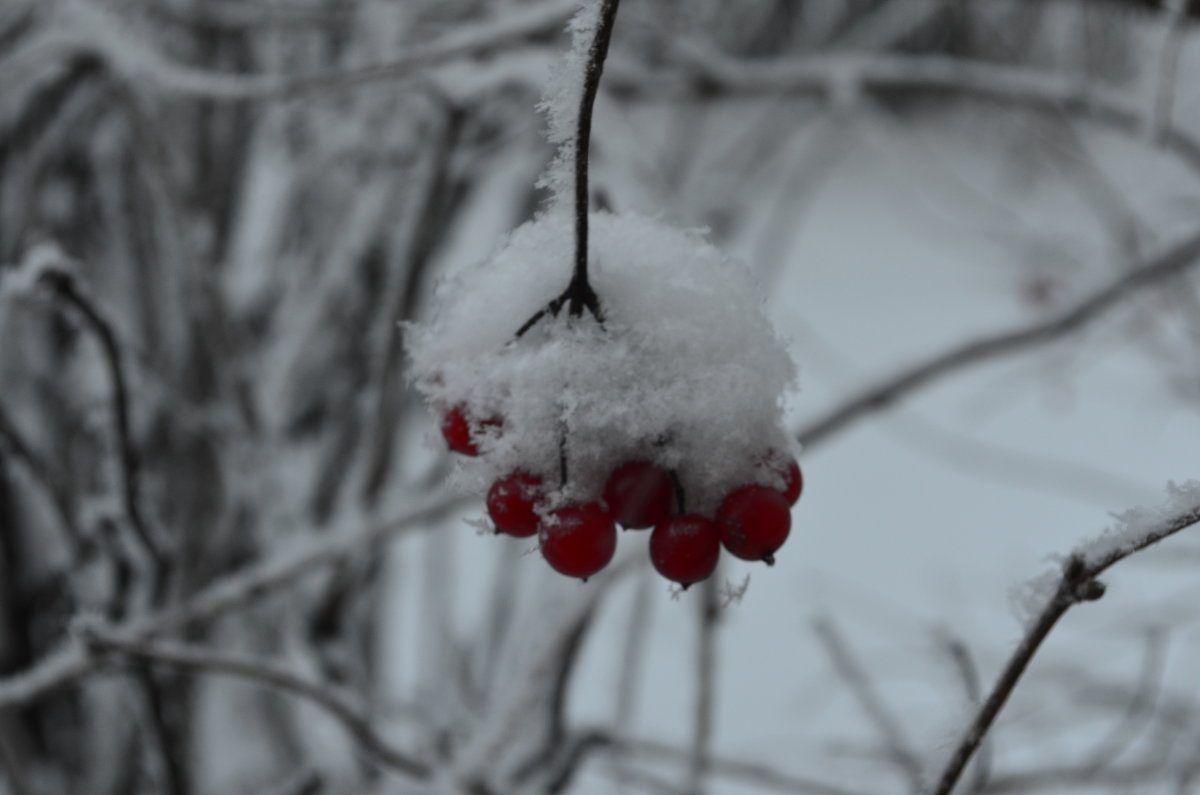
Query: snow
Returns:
{"type": "Point", "coordinates": [562, 97]}
{"type": "Point", "coordinates": [25, 277]}
{"type": "Point", "coordinates": [1132, 528]}
{"type": "Point", "coordinates": [685, 371]}
{"type": "Point", "coordinates": [1136, 525]}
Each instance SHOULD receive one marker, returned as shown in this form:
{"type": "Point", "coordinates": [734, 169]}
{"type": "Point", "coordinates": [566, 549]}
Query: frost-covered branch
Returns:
{"type": "Point", "coordinates": [1169, 262]}
{"type": "Point", "coordinates": [353, 716]}
{"type": "Point", "coordinates": [237, 591]}
{"type": "Point", "coordinates": [1076, 582]}
{"type": "Point", "coordinates": [842, 77]}
{"type": "Point", "coordinates": [99, 33]}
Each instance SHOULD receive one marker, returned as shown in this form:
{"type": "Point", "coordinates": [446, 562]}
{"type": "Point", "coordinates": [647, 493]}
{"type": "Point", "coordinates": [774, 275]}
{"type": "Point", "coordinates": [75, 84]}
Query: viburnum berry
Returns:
{"type": "Point", "coordinates": [457, 430]}
{"type": "Point", "coordinates": [511, 501]}
{"type": "Point", "coordinates": [754, 522]}
{"type": "Point", "coordinates": [789, 468]}
{"type": "Point", "coordinates": [685, 549]}
{"type": "Point", "coordinates": [578, 540]}
{"type": "Point", "coordinates": [639, 494]}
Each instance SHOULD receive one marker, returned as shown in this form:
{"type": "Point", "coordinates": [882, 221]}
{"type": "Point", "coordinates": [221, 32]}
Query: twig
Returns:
{"type": "Point", "coordinates": [65, 285]}
{"type": "Point", "coordinates": [706, 686]}
{"type": "Point", "coordinates": [351, 715]}
{"type": "Point", "coordinates": [1077, 583]}
{"type": "Point", "coordinates": [579, 294]}
{"type": "Point", "coordinates": [1169, 262]}
{"type": "Point", "coordinates": [856, 678]}
{"type": "Point", "coordinates": [235, 591]}
{"type": "Point", "coordinates": [960, 655]}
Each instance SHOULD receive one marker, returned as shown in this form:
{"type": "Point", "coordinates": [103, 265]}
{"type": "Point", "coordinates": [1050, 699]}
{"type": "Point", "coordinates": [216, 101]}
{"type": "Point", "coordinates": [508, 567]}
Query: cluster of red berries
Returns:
{"type": "Point", "coordinates": [752, 522]}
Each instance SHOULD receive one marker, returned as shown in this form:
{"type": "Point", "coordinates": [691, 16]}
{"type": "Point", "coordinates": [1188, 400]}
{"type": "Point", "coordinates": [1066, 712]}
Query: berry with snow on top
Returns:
{"type": "Point", "coordinates": [685, 549]}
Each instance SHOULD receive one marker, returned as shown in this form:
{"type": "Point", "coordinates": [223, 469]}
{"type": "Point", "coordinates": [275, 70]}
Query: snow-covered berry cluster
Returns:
{"type": "Point", "coordinates": [665, 412]}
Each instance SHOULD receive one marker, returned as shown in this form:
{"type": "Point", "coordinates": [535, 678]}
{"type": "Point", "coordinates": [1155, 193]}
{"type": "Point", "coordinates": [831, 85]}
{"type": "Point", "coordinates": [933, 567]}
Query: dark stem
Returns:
{"type": "Point", "coordinates": [65, 286]}
{"type": "Point", "coordinates": [579, 294]}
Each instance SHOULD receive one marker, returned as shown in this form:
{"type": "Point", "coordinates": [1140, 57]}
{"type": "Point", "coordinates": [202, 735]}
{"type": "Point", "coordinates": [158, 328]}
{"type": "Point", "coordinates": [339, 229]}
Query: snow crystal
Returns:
{"type": "Point", "coordinates": [562, 97]}
{"type": "Point", "coordinates": [1134, 525]}
{"type": "Point", "coordinates": [686, 371]}
{"type": "Point", "coordinates": [1131, 529]}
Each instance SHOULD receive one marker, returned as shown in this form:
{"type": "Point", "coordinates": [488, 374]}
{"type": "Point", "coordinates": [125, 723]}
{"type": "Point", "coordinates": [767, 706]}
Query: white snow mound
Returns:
{"type": "Point", "coordinates": [685, 371]}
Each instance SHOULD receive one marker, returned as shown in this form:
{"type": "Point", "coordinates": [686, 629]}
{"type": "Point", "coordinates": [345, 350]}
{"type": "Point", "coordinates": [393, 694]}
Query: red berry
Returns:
{"type": "Point", "coordinates": [685, 548]}
{"type": "Point", "coordinates": [510, 503]}
{"type": "Point", "coordinates": [639, 494]}
{"type": "Point", "coordinates": [457, 430]}
{"type": "Point", "coordinates": [578, 540]}
{"type": "Point", "coordinates": [793, 479]}
{"type": "Point", "coordinates": [754, 522]}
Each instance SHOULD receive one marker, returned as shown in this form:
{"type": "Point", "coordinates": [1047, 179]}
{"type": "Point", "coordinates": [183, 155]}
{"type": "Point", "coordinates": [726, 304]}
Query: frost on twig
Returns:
{"type": "Point", "coordinates": [1131, 531]}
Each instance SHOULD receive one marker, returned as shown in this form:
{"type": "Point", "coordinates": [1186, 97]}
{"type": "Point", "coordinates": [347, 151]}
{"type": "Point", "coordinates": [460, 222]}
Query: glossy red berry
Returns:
{"type": "Point", "coordinates": [511, 501]}
{"type": "Point", "coordinates": [639, 494]}
{"type": "Point", "coordinates": [578, 540]}
{"type": "Point", "coordinates": [685, 549]}
{"type": "Point", "coordinates": [457, 430]}
{"type": "Point", "coordinates": [754, 522]}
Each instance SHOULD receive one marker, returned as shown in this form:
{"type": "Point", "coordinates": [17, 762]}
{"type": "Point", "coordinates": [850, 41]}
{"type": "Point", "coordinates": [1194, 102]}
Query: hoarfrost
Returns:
{"type": "Point", "coordinates": [562, 97]}
{"type": "Point", "coordinates": [1131, 529]}
{"type": "Point", "coordinates": [686, 371]}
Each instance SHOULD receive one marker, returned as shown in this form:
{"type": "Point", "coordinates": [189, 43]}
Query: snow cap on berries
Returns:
{"type": "Point", "coordinates": [685, 372]}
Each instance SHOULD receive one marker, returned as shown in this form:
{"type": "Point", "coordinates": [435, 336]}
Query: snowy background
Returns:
{"type": "Point", "coordinates": [254, 195]}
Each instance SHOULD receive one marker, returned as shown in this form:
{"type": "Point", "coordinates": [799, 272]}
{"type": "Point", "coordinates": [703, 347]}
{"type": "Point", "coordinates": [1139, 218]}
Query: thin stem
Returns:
{"type": "Point", "coordinates": [1169, 262]}
{"type": "Point", "coordinates": [66, 287]}
{"type": "Point", "coordinates": [580, 293]}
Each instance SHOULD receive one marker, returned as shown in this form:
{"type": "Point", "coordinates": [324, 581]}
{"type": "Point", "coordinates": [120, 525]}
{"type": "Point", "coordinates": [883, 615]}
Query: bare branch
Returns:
{"type": "Point", "coordinates": [67, 287]}
{"type": "Point", "coordinates": [337, 704]}
{"type": "Point", "coordinates": [857, 679]}
{"type": "Point", "coordinates": [1169, 262]}
{"type": "Point", "coordinates": [968, 671]}
{"type": "Point", "coordinates": [72, 661]}
{"type": "Point", "coordinates": [1077, 583]}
